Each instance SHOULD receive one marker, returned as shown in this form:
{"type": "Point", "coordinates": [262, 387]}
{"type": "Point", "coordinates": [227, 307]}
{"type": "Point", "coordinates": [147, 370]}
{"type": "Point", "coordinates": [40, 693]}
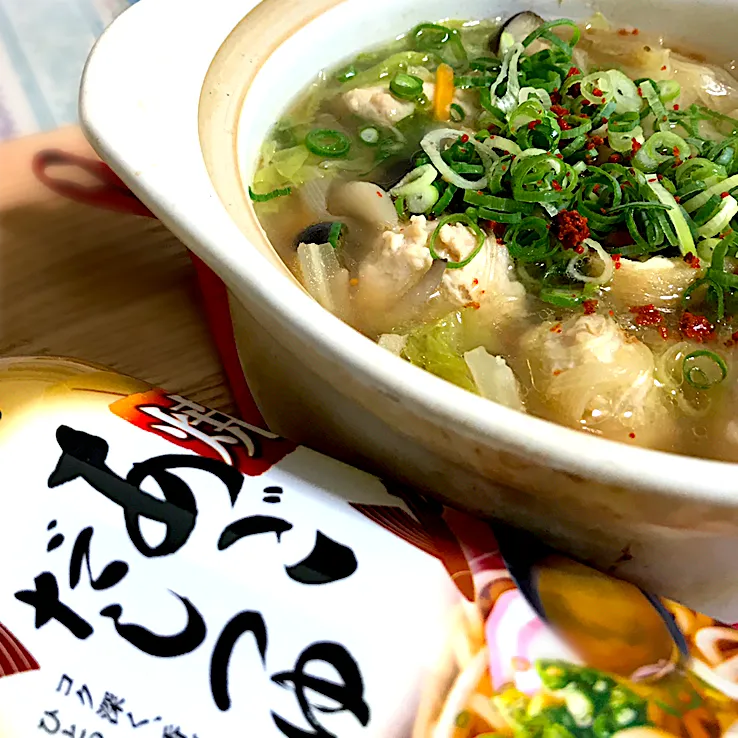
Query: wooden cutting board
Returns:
{"type": "Point", "coordinates": [88, 283]}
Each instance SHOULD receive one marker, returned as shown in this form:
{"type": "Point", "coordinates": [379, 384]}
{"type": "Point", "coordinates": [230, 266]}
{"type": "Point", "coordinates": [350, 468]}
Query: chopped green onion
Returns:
{"type": "Point", "coordinates": [676, 215]}
{"type": "Point", "coordinates": [266, 196]}
{"type": "Point", "coordinates": [369, 135]}
{"type": "Point", "coordinates": [563, 297]}
{"type": "Point", "coordinates": [457, 113]}
{"type": "Point", "coordinates": [406, 86]}
{"type": "Point", "coordinates": [335, 235]}
{"type": "Point", "coordinates": [400, 206]}
{"type": "Point", "coordinates": [445, 200]}
{"type": "Point", "coordinates": [469, 223]}
{"type": "Point", "coordinates": [719, 222]}
{"type": "Point", "coordinates": [445, 42]}
{"type": "Point", "coordinates": [704, 369]}
{"type": "Point", "coordinates": [545, 31]}
{"type": "Point", "coordinates": [328, 143]}
{"type": "Point", "coordinates": [346, 74]}
{"type": "Point", "coordinates": [669, 89]}
{"type": "Point", "coordinates": [530, 240]}
{"type": "Point", "coordinates": [417, 189]}
{"type": "Point", "coordinates": [650, 156]}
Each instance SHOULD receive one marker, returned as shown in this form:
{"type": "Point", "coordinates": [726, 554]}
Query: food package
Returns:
{"type": "Point", "coordinates": [173, 571]}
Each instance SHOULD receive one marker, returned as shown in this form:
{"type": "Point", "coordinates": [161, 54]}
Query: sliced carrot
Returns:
{"type": "Point", "coordinates": [444, 94]}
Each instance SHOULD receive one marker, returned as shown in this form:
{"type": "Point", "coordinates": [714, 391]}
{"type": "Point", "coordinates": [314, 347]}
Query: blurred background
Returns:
{"type": "Point", "coordinates": [43, 47]}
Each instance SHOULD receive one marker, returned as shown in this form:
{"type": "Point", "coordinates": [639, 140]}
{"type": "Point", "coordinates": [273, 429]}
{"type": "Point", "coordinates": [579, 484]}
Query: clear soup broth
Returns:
{"type": "Point", "coordinates": [540, 213]}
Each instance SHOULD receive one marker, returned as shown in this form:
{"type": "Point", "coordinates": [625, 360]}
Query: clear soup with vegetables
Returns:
{"type": "Point", "coordinates": [539, 212]}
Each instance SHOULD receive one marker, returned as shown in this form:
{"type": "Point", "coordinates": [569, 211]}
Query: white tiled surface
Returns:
{"type": "Point", "coordinates": [43, 47]}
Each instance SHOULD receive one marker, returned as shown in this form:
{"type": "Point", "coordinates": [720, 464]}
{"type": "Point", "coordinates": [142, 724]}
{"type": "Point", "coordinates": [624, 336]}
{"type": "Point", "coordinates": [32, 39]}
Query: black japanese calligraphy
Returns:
{"type": "Point", "coordinates": [45, 598]}
{"type": "Point", "coordinates": [110, 707]}
{"type": "Point", "coordinates": [244, 622]}
{"type": "Point", "coordinates": [329, 561]}
{"type": "Point", "coordinates": [163, 646]}
{"type": "Point", "coordinates": [67, 682]}
{"type": "Point", "coordinates": [83, 692]}
{"type": "Point", "coordinates": [172, 732]}
{"type": "Point", "coordinates": [111, 575]}
{"type": "Point", "coordinates": [84, 456]}
{"type": "Point", "coordinates": [349, 695]}
{"type": "Point", "coordinates": [50, 722]}
{"type": "Point", "coordinates": [252, 526]}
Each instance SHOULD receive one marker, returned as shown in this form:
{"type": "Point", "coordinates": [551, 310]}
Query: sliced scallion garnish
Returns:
{"type": "Point", "coordinates": [266, 196]}
{"type": "Point", "coordinates": [328, 143]}
{"type": "Point", "coordinates": [704, 369]}
{"type": "Point", "coordinates": [406, 86]}
{"type": "Point", "coordinates": [466, 220]}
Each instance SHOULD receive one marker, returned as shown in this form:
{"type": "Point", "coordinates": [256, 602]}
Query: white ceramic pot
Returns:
{"type": "Point", "coordinates": [178, 102]}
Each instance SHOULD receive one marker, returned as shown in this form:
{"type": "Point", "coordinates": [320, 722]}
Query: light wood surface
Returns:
{"type": "Point", "coordinates": [97, 285]}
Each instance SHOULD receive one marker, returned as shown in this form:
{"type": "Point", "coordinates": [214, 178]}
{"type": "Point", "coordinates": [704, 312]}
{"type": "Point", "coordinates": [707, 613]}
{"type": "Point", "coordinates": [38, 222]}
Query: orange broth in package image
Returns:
{"type": "Point", "coordinates": [172, 571]}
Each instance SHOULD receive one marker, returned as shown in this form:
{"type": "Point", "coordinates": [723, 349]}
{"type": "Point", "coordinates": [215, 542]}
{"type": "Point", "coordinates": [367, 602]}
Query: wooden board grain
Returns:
{"type": "Point", "coordinates": [107, 287]}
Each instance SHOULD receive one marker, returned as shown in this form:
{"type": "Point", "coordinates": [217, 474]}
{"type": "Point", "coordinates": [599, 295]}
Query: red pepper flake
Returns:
{"type": "Point", "coordinates": [597, 140]}
{"type": "Point", "coordinates": [596, 189]}
{"type": "Point", "coordinates": [616, 261]}
{"type": "Point", "coordinates": [611, 313]}
{"type": "Point", "coordinates": [647, 315]}
{"type": "Point", "coordinates": [556, 372]}
{"type": "Point", "coordinates": [590, 307]}
{"type": "Point", "coordinates": [475, 282]}
{"type": "Point", "coordinates": [556, 186]}
{"type": "Point", "coordinates": [556, 97]}
{"type": "Point", "coordinates": [623, 32]}
{"type": "Point", "coordinates": [631, 435]}
{"type": "Point", "coordinates": [640, 92]}
{"type": "Point", "coordinates": [635, 31]}
{"type": "Point", "coordinates": [724, 194]}
{"type": "Point", "coordinates": [575, 90]}
{"type": "Point", "coordinates": [572, 71]}
{"type": "Point", "coordinates": [663, 69]}
{"type": "Point", "coordinates": [615, 158]}
{"type": "Point", "coordinates": [497, 228]}
{"type": "Point", "coordinates": [474, 305]}
{"type": "Point", "coordinates": [696, 327]}
{"type": "Point", "coordinates": [734, 337]}
{"type": "Point", "coordinates": [590, 146]}
{"type": "Point", "coordinates": [556, 328]}
{"type": "Point", "coordinates": [635, 147]}
{"type": "Point", "coordinates": [504, 167]}
{"type": "Point", "coordinates": [604, 100]}
{"type": "Point", "coordinates": [533, 124]}
{"type": "Point", "coordinates": [732, 341]}
{"type": "Point", "coordinates": [579, 250]}
{"type": "Point", "coordinates": [597, 92]}
{"type": "Point", "coordinates": [464, 138]}
{"type": "Point", "coordinates": [563, 125]}
{"type": "Point", "coordinates": [692, 260]}
{"type": "Point", "coordinates": [559, 110]}
{"type": "Point", "coordinates": [571, 229]}
{"type": "Point", "coordinates": [675, 151]}
{"type": "Point", "coordinates": [379, 194]}
{"type": "Point", "coordinates": [664, 331]}
{"type": "Point", "coordinates": [559, 156]}
{"type": "Point", "coordinates": [676, 107]}
{"type": "Point", "coordinates": [659, 177]}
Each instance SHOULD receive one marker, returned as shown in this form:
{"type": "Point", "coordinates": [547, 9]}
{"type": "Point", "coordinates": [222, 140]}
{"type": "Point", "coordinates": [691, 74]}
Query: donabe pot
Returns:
{"type": "Point", "coordinates": [178, 96]}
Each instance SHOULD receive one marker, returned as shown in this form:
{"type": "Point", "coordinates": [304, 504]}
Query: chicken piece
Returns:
{"type": "Point", "coordinates": [588, 373]}
{"type": "Point", "coordinates": [657, 281]}
{"type": "Point", "coordinates": [378, 105]}
{"type": "Point", "coordinates": [403, 257]}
